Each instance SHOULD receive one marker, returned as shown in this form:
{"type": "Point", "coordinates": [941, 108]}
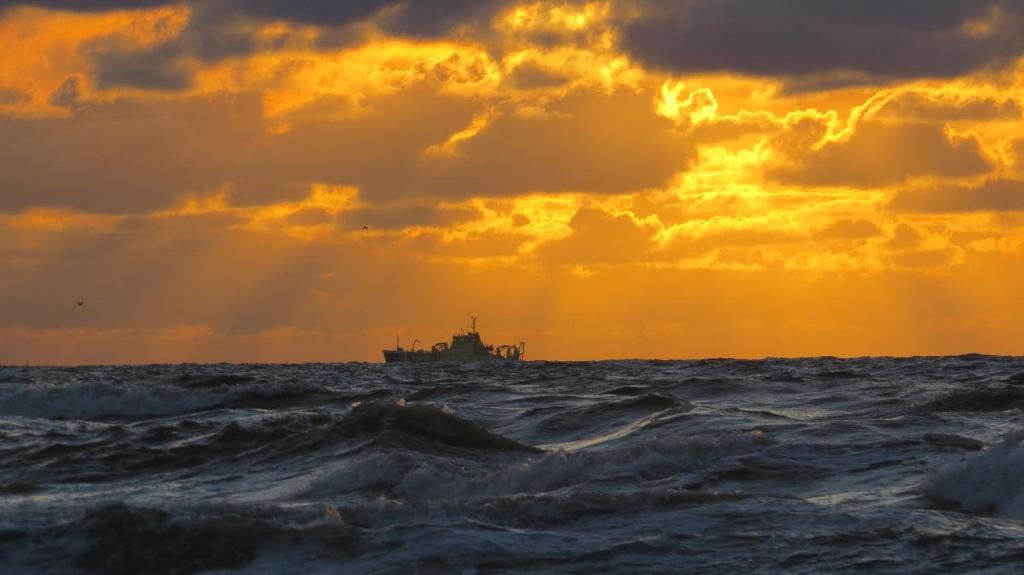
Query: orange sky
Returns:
{"type": "Point", "coordinates": [622, 179]}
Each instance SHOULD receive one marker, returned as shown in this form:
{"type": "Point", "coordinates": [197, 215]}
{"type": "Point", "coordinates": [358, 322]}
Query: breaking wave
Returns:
{"type": "Point", "coordinates": [988, 482]}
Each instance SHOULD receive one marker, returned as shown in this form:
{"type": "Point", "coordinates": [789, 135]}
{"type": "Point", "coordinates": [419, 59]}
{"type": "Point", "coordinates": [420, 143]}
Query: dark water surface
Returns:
{"type": "Point", "coordinates": [718, 466]}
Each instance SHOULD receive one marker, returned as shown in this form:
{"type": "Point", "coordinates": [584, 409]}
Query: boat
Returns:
{"type": "Point", "coordinates": [465, 347]}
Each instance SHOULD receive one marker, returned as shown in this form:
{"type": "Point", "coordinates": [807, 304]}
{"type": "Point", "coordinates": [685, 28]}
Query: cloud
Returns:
{"type": "Point", "coordinates": [600, 237]}
{"type": "Point", "coordinates": [213, 189]}
{"type": "Point", "coordinates": [130, 156]}
{"type": "Point", "coordinates": [819, 46]}
{"type": "Point", "coordinates": [126, 157]}
{"type": "Point", "coordinates": [14, 96]}
{"type": "Point", "coordinates": [1017, 149]}
{"type": "Point", "coordinates": [938, 107]}
{"type": "Point", "coordinates": [530, 75]}
{"type": "Point", "coordinates": [588, 140]}
{"type": "Point", "coordinates": [848, 229]}
{"type": "Point", "coordinates": [87, 5]}
{"type": "Point", "coordinates": [880, 153]}
{"type": "Point", "coordinates": [792, 38]}
{"type": "Point", "coordinates": [219, 29]}
{"type": "Point", "coordinates": [412, 17]}
{"type": "Point", "coordinates": [404, 215]}
{"type": "Point", "coordinates": [993, 195]}
{"type": "Point", "coordinates": [419, 18]}
{"type": "Point", "coordinates": [158, 68]}
{"type": "Point", "coordinates": [69, 95]}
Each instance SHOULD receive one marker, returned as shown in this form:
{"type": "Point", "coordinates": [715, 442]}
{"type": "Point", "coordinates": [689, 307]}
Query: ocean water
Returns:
{"type": "Point", "coordinates": [819, 465]}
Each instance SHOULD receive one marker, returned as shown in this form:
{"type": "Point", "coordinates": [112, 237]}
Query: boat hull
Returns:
{"type": "Point", "coordinates": [423, 356]}
{"type": "Point", "coordinates": [406, 356]}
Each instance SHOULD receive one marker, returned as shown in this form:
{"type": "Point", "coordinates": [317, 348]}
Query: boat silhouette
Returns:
{"type": "Point", "coordinates": [464, 347]}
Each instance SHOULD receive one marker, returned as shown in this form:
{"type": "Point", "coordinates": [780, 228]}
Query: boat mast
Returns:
{"type": "Point", "coordinates": [473, 319]}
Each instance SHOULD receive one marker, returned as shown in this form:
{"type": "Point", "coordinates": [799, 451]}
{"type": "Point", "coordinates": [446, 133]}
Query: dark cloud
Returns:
{"type": "Point", "coordinates": [422, 18]}
{"type": "Point", "coordinates": [69, 95]}
{"type": "Point", "coordinates": [131, 156]}
{"type": "Point", "coordinates": [419, 18]}
{"type": "Point", "coordinates": [870, 39]}
{"type": "Point", "coordinates": [816, 45]}
{"type": "Point", "coordinates": [14, 97]}
{"type": "Point", "coordinates": [848, 229]}
{"type": "Point", "coordinates": [530, 75]}
{"type": "Point", "coordinates": [993, 195]}
{"type": "Point", "coordinates": [431, 18]}
{"type": "Point", "coordinates": [1017, 147]}
{"type": "Point", "coordinates": [599, 237]}
{"type": "Point", "coordinates": [924, 107]}
{"type": "Point", "coordinates": [219, 29]}
{"type": "Point", "coordinates": [127, 157]}
{"type": "Point", "coordinates": [402, 215]}
{"type": "Point", "coordinates": [158, 68]}
{"type": "Point", "coordinates": [302, 11]}
{"type": "Point", "coordinates": [880, 153]}
{"type": "Point", "coordinates": [87, 5]}
{"type": "Point", "coordinates": [587, 141]}
{"type": "Point", "coordinates": [602, 143]}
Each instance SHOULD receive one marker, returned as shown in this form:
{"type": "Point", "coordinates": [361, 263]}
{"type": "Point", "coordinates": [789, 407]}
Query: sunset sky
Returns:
{"type": "Point", "coordinates": [621, 179]}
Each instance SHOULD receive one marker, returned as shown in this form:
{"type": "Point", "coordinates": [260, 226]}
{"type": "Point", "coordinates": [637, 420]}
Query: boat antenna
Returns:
{"type": "Point", "coordinates": [397, 345]}
{"type": "Point", "coordinates": [473, 318]}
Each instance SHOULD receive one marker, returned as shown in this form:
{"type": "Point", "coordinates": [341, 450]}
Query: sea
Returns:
{"type": "Point", "coordinates": [820, 465]}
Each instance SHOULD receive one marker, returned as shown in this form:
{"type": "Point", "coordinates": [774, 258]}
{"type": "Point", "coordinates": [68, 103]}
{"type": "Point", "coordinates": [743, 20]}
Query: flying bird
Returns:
{"type": "Point", "coordinates": [366, 228]}
{"type": "Point", "coordinates": [81, 303]}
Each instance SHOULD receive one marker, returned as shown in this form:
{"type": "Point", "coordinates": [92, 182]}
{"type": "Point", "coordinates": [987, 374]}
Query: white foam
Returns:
{"type": "Point", "coordinates": [987, 481]}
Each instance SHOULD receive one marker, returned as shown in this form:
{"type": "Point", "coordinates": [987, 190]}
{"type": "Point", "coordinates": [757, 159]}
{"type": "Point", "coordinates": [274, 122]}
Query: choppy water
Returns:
{"type": "Point", "coordinates": [717, 466]}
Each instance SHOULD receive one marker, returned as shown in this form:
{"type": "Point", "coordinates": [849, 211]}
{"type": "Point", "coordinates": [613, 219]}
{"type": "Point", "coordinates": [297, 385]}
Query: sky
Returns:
{"type": "Point", "coordinates": [271, 181]}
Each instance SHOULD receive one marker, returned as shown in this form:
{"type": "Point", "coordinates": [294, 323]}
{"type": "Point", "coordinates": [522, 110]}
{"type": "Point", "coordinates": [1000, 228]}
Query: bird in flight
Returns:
{"type": "Point", "coordinates": [81, 303]}
{"type": "Point", "coordinates": [366, 228]}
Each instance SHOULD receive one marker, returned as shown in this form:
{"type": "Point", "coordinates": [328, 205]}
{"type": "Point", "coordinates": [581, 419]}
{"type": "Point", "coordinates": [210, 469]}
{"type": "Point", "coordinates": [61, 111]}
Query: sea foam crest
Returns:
{"type": "Point", "coordinates": [987, 481]}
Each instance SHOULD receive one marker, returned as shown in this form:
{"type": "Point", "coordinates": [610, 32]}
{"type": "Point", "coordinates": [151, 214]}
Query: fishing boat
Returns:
{"type": "Point", "coordinates": [464, 347]}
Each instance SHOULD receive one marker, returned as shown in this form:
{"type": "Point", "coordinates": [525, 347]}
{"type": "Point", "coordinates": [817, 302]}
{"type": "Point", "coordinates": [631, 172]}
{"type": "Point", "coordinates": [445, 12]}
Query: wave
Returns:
{"type": "Point", "coordinates": [424, 476]}
{"type": "Point", "coordinates": [19, 488]}
{"type": "Point", "coordinates": [566, 422]}
{"type": "Point", "coordinates": [988, 482]}
{"type": "Point", "coordinates": [838, 374]}
{"type": "Point", "coordinates": [425, 421]}
{"type": "Point", "coordinates": [644, 402]}
{"type": "Point", "coordinates": [105, 399]}
{"type": "Point", "coordinates": [630, 390]}
{"type": "Point", "coordinates": [113, 452]}
{"type": "Point", "coordinates": [712, 385]}
{"type": "Point", "coordinates": [544, 509]}
{"type": "Point", "coordinates": [987, 399]}
{"type": "Point", "coordinates": [450, 389]}
{"type": "Point", "coordinates": [207, 381]}
{"type": "Point", "coordinates": [953, 440]}
{"type": "Point", "coordinates": [119, 538]}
